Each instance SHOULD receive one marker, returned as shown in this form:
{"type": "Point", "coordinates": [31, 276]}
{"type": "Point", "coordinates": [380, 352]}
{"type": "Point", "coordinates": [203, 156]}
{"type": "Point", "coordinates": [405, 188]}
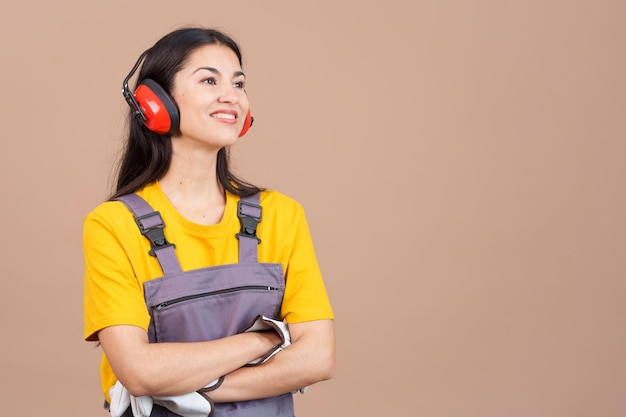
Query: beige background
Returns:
{"type": "Point", "coordinates": [461, 164]}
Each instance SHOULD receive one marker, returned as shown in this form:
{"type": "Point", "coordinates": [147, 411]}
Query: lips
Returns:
{"type": "Point", "coordinates": [225, 115]}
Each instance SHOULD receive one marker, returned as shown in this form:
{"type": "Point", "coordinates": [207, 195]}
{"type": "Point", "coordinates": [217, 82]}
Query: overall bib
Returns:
{"type": "Point", "coordinates": [213, 302]}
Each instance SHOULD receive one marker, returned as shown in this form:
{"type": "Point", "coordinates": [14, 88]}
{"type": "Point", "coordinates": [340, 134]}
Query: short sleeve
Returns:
{"type": "Point", "coordinates": [305, 298]}
{"type": "Point", "coordinates": [112, 293]}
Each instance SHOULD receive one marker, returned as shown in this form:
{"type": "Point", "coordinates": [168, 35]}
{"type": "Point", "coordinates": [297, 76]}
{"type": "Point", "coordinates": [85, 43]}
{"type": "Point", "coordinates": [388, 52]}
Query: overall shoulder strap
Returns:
{"type": "Point", "coordinates": [249, 212]}
{"type": "Point", "coordinates": [151, 225]}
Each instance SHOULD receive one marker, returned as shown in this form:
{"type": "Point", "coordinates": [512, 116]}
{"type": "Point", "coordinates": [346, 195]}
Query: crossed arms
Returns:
{"type": "Point", "coordinates": [178, 368]}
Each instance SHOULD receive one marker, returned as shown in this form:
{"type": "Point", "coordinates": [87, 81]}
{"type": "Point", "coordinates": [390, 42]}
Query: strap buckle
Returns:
{"type": "Point", "coordinates": [250, 216]}
{"type": "Point", "coordinates": [151, 225]}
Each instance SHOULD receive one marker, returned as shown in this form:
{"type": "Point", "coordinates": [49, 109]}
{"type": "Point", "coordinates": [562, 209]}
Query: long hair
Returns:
{"type": "Point", "coordinates": [147, 155]}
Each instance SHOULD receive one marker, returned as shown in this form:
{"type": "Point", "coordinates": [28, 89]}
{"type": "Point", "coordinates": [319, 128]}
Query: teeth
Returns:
{"type": "Point", "coordinates": [223, 116]}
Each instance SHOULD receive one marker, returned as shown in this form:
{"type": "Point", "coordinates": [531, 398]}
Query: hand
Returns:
{"type": "Point", "coordinates": [215, 384]}
{"type": "Point", "coordinates": [193, 404]}
{"type": "Point", "coordinates": [275, 327]}
{"type": "Point", "coordinates": [120, 399]}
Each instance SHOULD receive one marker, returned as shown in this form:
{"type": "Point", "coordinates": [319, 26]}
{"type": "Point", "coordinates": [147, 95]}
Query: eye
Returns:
{"type": "Point", "coordinates": [210, 80]}
{"type": "Point", "coordinates": [239, 84]}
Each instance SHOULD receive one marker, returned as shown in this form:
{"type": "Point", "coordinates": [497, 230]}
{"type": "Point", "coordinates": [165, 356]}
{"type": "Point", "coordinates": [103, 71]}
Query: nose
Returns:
{"type": "Point", "coordinates": [228, 94]}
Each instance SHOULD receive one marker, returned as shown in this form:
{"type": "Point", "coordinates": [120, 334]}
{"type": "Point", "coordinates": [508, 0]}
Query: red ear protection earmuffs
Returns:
{"type": "Point", "coordinates": [153, 107]}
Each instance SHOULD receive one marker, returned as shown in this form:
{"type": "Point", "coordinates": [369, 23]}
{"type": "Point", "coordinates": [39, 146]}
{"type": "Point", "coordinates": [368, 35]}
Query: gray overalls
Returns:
{"type": "Point", "coordinates": [212, 302]}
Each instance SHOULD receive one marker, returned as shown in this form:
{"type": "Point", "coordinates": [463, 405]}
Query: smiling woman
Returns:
{"type": "Point", "coordinates": [223, 312]}
{"type": "Point", "coordinates": [210, 98]}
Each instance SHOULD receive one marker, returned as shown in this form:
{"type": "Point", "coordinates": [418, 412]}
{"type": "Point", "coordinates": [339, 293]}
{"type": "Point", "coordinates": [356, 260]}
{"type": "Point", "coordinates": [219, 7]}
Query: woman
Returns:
{"type": "Point", "coordinates": [202, 231]}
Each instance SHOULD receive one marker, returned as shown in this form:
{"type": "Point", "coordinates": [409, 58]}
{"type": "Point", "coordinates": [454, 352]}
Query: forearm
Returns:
{"type": "Point", "coordinates": [309, 359]}
{"type": "Point", "coordinates": [176, 368]}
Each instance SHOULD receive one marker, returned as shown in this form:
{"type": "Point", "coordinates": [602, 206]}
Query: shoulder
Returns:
{"type": "Point", "coordinates": [110, 215]}
{"type": "Point", "coordinates": [276, 201]}
{"type": "Point", "coordinates": [116, 212]}
{"type": "Point", "coordinates": [109, 210]}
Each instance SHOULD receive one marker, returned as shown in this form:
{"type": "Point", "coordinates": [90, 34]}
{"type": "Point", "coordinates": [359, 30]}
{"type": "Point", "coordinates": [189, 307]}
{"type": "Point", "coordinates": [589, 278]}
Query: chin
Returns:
{"type": "Point", "coordinates": [215, 139]}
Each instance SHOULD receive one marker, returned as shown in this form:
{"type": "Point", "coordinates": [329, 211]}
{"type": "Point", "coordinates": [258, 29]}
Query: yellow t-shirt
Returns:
{"type": "Point", "coordinates": [117, 261]}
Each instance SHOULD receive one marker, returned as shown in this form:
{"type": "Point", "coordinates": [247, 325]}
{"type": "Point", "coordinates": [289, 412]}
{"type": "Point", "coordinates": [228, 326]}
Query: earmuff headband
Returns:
{"type": "Point", "coordinates": [129, 96]}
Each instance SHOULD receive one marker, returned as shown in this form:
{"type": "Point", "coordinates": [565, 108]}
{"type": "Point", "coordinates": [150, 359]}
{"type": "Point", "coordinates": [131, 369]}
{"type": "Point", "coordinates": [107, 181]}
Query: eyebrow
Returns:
{"type": "Point", "coordinates": [217, 72]}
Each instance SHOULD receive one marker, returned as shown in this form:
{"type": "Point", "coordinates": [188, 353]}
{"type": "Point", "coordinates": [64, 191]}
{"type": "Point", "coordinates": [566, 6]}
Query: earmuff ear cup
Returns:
{"type": "Point", "coordinates": [247, 123]}
{"type": "Point", "coordinates": [158, 107]}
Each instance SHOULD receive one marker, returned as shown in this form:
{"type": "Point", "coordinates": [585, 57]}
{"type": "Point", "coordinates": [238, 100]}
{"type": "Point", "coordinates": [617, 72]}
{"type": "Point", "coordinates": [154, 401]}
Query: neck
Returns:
{"type": "Point", "coordinates": [191, 185]}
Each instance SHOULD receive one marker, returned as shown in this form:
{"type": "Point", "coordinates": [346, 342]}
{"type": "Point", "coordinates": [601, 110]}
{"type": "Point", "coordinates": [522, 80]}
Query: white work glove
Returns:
{"type": "Point", "coordinates": [141, 406]}
{"type": "Point", "coordinates": [120, 399]}
{"type": "Point", "coordinates": [193, 404]}
{"type": "Point", "coordinates": [262, 323]}
{"type": "Point", "coordinates": [212, 385]}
